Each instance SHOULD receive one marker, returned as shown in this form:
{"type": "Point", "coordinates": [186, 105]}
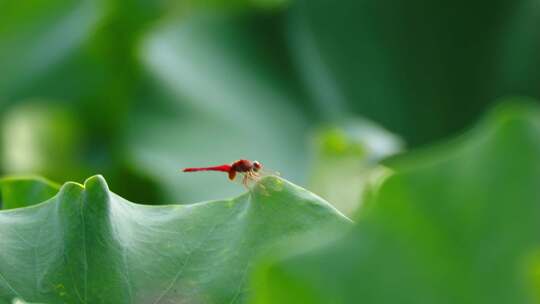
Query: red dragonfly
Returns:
{"type": "Point", "coordinates": [249, 169]}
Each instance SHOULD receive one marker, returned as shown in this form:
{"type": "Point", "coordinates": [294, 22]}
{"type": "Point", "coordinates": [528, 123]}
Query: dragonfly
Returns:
{"type": "Point", "coordinates": [249, 169]}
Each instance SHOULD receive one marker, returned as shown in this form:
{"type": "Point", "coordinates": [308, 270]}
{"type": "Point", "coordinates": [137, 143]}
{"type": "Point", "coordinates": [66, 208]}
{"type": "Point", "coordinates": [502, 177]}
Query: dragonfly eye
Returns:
{"type": "Point", "coordinates": [257, 165]}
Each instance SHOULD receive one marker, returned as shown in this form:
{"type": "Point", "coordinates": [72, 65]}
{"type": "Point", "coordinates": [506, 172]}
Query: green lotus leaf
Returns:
{"type": "Point", "coordinates": [88, 245]}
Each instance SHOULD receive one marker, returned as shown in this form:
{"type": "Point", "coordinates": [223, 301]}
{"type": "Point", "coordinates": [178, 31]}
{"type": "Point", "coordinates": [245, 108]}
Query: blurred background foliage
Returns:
{"type": "Point", "coordinates": [317, 90]}
{"type": "Point", "coordinates": [320, 91]}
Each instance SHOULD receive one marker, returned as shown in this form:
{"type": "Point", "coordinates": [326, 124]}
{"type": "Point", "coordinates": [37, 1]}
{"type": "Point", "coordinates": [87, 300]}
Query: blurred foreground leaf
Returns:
{"type": "Point", "coordinates": [88, 245]}
{"type": "Point", "coordinates": [458, 223]}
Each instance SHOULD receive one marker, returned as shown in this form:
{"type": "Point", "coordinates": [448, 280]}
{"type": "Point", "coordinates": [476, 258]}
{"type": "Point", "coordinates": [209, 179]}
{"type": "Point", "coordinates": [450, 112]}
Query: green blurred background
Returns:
{"type": "Point", "coordinates": [317, 90]}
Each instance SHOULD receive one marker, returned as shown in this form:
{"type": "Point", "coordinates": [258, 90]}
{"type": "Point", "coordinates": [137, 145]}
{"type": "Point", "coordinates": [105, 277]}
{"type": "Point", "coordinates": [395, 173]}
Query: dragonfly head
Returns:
{"type": "Point", "coordinates": [257, 166]}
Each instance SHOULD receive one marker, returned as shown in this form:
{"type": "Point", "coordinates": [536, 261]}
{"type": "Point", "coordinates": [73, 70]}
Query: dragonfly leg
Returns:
{"type": "Point", "coordinates": [245, 181]}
